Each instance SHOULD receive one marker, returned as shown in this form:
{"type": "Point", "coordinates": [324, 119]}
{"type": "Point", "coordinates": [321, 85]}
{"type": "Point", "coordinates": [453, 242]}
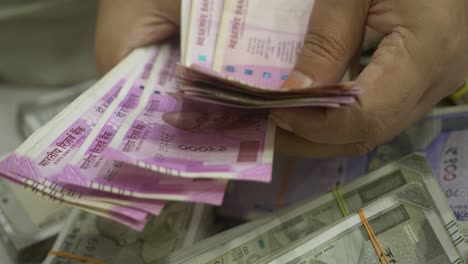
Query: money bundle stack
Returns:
{"type": "Point", "coordinates": [68, 160]}
{"type": "Point", "coordinates": [28, 226]}
{"type": "Point", "coordinates": [396, 214]}
{"type": "Point", "coordinates": [239, 53]}
{"type": "Point", "coordinates": [127, 144]}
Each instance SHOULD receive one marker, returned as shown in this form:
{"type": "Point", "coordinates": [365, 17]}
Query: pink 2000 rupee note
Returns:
{"type": "Point", "coordinates": [88, 156]}
{"type": "Point", "coordinates": [90, 169]}
{"type": "Point", "coordinates": [198, 140]}
{"type": "Point", "coordinates": [203, 27]}
{"type": "Point", "coordinates": [43, 155]}
{"type": "Point", "coordinates": [259, 40]}
{"type": "Point", "coordinates": [211, 100]}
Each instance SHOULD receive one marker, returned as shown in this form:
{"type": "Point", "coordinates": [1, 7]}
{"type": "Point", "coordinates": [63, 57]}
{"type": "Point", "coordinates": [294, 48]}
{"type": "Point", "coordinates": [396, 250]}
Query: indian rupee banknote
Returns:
{"type": "Point", "coordinates": [89, 236]}
{"type": "Point", "coordinates": [405, 224]}
{"type": "Point", "coordinates": [292, 224]}
{"type": "Point", "coordinates": [440, 136]}
{"type": "Point", "coordinates": [239, 53]}
{"type": "Point", "coordinates": [32, 162]}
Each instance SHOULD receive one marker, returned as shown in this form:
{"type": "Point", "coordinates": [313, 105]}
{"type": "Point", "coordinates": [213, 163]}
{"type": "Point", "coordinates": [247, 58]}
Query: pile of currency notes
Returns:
{"type": "Point", "coordinates": [174, 130]}
{"type": "Point", "coordinates": [237, 54]}
{"type": "Point", "coordinates": [441, 135]}
{"type": "Point", "coordinates": [402, 202]}
{"type": "Point", "coordinates": [137, 138]}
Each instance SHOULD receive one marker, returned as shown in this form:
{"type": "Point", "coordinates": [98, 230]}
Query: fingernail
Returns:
{"type": "Point", "coordinates": [297, 80]}
{"type": "Point", "coordinates": [281, 122]}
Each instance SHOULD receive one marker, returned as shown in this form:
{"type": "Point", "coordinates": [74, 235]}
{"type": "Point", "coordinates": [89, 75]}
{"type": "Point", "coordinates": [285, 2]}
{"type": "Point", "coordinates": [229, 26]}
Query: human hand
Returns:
{"type": "Point", "coordinates": [422, 59]}
{"type": "Point", "coordinates": [124, 25]}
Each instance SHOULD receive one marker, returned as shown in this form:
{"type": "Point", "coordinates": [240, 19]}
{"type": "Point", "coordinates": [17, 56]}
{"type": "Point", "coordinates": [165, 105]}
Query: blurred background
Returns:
{"type": "Point", "coordinates": [46, 60]}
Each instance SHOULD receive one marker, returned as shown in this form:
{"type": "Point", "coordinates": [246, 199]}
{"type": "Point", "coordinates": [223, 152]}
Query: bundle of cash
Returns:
{"type": "Point", "coordinates": [125, 146]}
{"type": "Point", "coordinates": [406, 227]}
{"type": "Point", "coordinates": [88, 237]}
{"type": "Point", "coordinates": [402, 200]}
{"type": "Point", "coordinates": [26, 221]}
{"type": "Point", "coordinates": [239, 53]}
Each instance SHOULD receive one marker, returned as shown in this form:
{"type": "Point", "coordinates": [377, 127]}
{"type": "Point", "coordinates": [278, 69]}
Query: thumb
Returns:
{"type": "Point", "coordinates": [334, 36]}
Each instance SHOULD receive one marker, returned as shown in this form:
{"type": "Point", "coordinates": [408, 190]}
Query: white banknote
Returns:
{"type": "Point", "coordinates": [86, 235]}
{"type": "Point", "coordinates": [292, 224]}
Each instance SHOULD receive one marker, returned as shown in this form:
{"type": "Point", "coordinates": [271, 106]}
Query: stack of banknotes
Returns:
{"type": "Point", "coordinates": [402, 202]}
{"type": "Point", "coordinates": [441, 136]}
{"type": "Point", "coordinates": [111, 151]}
{"type": "Point", "coordinates": [147, 150]}
{"type": "Point", "coordinates": [137, 138]}
{"type": "Point", "coordinates": [28, 225]}
{"type": "Point", "coordinates": [239, 53]}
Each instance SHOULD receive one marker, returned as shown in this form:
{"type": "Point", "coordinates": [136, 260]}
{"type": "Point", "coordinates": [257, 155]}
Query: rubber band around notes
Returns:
{"type": "Point", "coordinates": [75, 257]}
{"type": "Point", "coordinates": [284, 181]}
{"type": "Point", "coordinates": [340, 200]}
{"type": "Point", "coordinates": [373, 238]}
{"type": "Point", "coordinates": [460, 93]}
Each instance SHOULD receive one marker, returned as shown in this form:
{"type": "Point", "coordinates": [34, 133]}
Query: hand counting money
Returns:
{"type": "Point", "coordinates": [175, 122]}
{"type": "Point", "coordinates": [238, 53]}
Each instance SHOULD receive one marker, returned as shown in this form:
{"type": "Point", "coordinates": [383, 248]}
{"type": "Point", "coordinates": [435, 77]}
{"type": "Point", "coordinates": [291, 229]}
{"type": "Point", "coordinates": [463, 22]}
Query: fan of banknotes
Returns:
{"type": "Point", "coordinates": [66, 160]}
{"type": "Point", "coordinates": [137, 138]}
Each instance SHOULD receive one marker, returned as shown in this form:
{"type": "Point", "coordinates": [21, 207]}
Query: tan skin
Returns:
{"type": "Point", "coordinates": [422, 58]}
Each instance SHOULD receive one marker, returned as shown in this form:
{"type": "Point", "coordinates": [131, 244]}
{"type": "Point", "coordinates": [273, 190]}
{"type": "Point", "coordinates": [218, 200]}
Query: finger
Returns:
{"type": "Point", "coordinates": [168, 9]}
{"type": "Point", "coordinates": [393, 83]}
{"type": "Point", "coordinates": [354, 66]}
{"type": "Point", "coordinates": [435, 95]}
{"type": "Point", "coordinates": [289, 144]}
{"type": "Point", "coordinates": [323, 125]}
{"type": "Point", "coordinates": [371, 40]}
{"type": "Point", "coordinates": [335, 32]}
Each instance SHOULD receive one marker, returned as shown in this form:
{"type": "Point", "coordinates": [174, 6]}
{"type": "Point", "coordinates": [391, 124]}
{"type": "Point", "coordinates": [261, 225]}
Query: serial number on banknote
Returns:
{"type": "Point", "coordinates": [202, 148]}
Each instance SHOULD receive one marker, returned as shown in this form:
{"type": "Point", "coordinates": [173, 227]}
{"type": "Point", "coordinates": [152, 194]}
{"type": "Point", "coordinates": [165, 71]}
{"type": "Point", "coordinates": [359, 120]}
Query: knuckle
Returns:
{"type": "Point", "coordinates": [328, 48]}
{"type": "Point", "coordinates": [394, 45]}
